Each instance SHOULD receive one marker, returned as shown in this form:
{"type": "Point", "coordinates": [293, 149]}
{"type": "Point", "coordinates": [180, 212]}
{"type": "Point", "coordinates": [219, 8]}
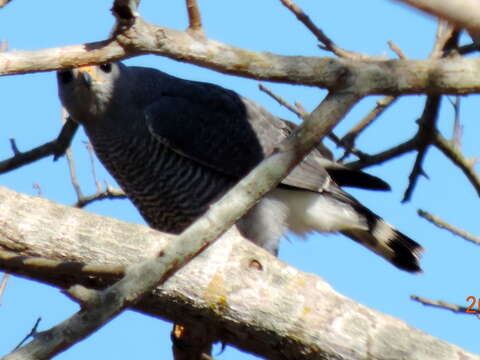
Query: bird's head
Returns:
{"type": "Point", "coordinates": [87, 92]}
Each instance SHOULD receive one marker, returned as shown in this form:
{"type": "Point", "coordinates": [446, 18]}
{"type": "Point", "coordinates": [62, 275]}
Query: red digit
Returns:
{"type": "Point", "coordinates": [469, 309]}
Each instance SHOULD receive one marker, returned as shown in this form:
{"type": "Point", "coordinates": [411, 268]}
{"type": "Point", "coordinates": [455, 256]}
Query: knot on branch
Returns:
{"type": "Point", "coordinates": [344, 77]}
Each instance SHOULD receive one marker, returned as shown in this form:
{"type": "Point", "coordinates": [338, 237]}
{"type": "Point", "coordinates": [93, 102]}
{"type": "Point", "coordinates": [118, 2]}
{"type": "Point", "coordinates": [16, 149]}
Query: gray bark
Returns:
{"type": "Point", "coordinates": [246, 296]}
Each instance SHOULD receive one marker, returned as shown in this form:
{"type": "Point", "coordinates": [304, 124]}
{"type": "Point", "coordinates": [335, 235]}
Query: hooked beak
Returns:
{"type": "Point", "coordinates": [87, 75]}
{"type": "Point", "coordinates": [86, 79]}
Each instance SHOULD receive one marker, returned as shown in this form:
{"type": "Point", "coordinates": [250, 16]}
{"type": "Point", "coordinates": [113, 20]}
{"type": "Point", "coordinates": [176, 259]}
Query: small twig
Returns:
{"type": "Point", "coordinates": [91, 155]}
{"type": "Point", "coordinates": [441, 304]}
{"type": "Point", "coordinates": [457, 131]}
{"type": "Point", "coordinates": [32, 333]}
{"type": "Point", "coordinates": [320, 35]}
{"type": "Point", "coordinates": [73, 175]}
{"type": "Point", "coordinates": [348, 141]}
{"type": "Point", "coordinates": [394, 47]}
{"type": "Point", "coordinates": [70, 162]}
{"type": "Point", "coordinates": [38, 188]}
{"type": "Point", "coordinates": [446, 41]}
{"type": "Point", "coordinates": [386, 155]}
{"type": "Point", "coordinates": [3, 285]}
{"type": "Point", "coordinates": [194, 17]}
{"type": "Point", "coordinates": [27, 157]}
{"type": "Point", "coordinates": [300, 108]}
{"type": "Point", "coordinates": [443, 35]}
{"type": "Point", "coordinates": [300, 111]}
{"type": "Point", "coordinates": [109, 193]}
{"type": "Point", "coordinates": [455, 155]}
{"type": "Point", "coordinates": [424, 135]}
{"type": "Point", "coordinates": [13, 144]}
{"type": "Point", "coordinates": [444, 225]}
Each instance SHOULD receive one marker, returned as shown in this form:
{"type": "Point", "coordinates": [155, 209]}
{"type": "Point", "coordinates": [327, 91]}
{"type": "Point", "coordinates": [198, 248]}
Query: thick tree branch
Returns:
{"type": "Point", "coordinates": [224, 287]}
{"type": "Point", "coordinates": [143, 278]}
{"type": "Point", "coordinates": [461, 13]}
{"type": "Point", "coordinates": [388, 77]}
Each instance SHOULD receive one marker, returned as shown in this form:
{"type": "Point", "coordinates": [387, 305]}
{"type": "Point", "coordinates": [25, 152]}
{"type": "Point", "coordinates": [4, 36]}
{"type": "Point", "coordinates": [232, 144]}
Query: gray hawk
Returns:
{"type": "Point", "coordinates": [176, 146]}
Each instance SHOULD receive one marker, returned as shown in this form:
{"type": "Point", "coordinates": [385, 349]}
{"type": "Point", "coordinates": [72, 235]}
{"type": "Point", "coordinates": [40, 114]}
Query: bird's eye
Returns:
{"type": "Point", "coordinates": [65, 76]}
{"type": "Point", "coordinates": [106, 68]}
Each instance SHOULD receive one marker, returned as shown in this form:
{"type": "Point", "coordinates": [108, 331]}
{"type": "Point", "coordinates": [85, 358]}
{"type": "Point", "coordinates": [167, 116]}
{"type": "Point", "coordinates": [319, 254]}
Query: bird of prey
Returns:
{"type": "Point", "coordinates": [176, 146]}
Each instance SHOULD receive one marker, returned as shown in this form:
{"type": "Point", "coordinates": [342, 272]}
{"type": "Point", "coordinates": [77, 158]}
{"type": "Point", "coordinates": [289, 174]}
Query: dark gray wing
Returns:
{"type": "Point", "coordinates": [231, 134]}
{"type": "Point", "coordinates": [208, 125]}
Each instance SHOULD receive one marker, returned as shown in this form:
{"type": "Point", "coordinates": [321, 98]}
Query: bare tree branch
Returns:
{"type": "Point", "coordinates": [427, 125]}
{"type": "Point", "coordinates": [56, 148]}
{"type": "Point", "coordinates": [194, 17]}
{"type": "Point", "coordinates": [73, 175]}
{"type": "Point", "coordinates": [13, 144]}
{"type": "Point", "coordinates": [348, 141]}
{"type": "Point", "coordinates": [70, 162]}
{"type": "Point", "coordinates": [301, 113]}
{"type": "Point", "coordinates": [394, 47]}
{"type": "Point", "coordinates": [91, 156]}
{"type": "Point", "coordinates": [24, 265]}
{"type": "Point", "coordinates": [110, 193]}
{"type": "Point", "coordinates": [444, 225]}
{"type": "Point", "coordinates": [320, 35]}
{"type": "Point", "coordinates": [440, 304]}
{"type": "Point", "coordinates": [387, 77]}
{"type": "Point", "coordinates": [224, 287]}
{"type": "Point", "coordinates": [461, 13]}
{"type": "Point", "coordinates": [444, 34]}
{"type": "Point", "coordinates": [3, 285]}
{"type": "Point", "coordinates": [407, 146]}
{"type": "Point", "coordinates": [348, 81]}
{"type": "Point", "coordinates": [457, 130]}
{"type": "Point", "coordinates": [141, 279]}
{"type": "Point", "coordinates": [455, 155]}
{"type": "Point", "coordinates": [32, 333]}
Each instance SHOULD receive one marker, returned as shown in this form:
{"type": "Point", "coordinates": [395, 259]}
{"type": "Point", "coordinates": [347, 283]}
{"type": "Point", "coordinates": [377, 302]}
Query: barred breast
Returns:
{"type": "Point", "coordinates": [169, 190]}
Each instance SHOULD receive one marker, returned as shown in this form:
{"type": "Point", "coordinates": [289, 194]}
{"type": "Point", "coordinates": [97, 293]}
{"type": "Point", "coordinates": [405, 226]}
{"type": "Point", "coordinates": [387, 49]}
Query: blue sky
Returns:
{"type": "Point", "coordinates": [31, 115]}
